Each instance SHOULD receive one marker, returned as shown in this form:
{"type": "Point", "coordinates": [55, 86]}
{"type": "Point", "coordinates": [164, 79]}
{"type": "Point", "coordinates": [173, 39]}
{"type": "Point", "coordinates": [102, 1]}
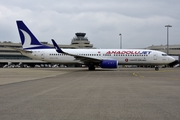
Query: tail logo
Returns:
{"type": "Point", "coordinates": [27, 40]}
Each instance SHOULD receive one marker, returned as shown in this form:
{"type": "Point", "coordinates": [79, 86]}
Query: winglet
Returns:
{"type": "Point", "coordinates": [58, 49]}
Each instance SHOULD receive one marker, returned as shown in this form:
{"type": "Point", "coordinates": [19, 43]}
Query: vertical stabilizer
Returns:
{"type": "Point", "coordinates": [28, 40]}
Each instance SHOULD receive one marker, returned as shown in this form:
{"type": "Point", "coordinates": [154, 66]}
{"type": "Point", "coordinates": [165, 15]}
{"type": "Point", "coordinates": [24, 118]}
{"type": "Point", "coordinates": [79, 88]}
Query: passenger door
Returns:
{"type": "Point", "coordinates": [155, 57]}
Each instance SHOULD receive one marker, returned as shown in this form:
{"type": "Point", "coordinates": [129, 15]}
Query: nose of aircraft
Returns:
{"type": "Point", "coordinates": [171, 59]}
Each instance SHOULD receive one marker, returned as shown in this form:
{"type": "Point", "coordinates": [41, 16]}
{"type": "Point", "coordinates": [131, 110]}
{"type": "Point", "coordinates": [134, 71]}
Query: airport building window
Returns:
{"type": "Point", "coordinates": [16, 57]}
{"type": "Point", "coordinates": [9, 51]}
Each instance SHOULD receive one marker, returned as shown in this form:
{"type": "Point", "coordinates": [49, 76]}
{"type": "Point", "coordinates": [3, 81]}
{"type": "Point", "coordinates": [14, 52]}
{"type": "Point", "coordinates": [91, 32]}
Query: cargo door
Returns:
{"type": "Point", "coordinates": [42, 55]}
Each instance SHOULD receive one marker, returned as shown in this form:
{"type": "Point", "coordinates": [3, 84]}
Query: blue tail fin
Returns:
{"type": "Point", "coordinates": [28, 40]}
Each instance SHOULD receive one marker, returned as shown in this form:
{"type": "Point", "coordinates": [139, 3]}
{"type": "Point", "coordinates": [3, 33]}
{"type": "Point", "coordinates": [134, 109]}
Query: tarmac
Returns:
{"type": "Point", "coordinates": [79, 94]}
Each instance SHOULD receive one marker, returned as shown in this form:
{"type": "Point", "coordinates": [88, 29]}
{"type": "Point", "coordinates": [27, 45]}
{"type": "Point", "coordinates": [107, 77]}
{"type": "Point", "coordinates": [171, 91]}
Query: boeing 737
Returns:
{"type": "Point", "coordinates": [104, 58]}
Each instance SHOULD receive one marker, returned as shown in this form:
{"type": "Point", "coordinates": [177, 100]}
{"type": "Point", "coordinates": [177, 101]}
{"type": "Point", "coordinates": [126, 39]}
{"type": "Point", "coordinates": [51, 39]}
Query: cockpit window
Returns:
{"type": "Point", "coordinates": [164, 54]}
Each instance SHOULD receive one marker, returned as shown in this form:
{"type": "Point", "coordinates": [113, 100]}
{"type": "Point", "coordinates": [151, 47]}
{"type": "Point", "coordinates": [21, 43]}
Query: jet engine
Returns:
{"type": "Point", "coordinates": [109, 64]}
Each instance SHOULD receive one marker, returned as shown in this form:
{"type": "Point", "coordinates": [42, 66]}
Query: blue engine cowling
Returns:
{"type": "Point", "coordinates": [109, 64]}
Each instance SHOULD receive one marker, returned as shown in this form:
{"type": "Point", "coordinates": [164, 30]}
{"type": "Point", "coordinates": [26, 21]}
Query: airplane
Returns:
{"type": "Point", "coordinates": [104, 58]}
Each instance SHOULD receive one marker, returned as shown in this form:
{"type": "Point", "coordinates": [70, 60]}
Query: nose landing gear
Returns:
{"type": "Point", "coordinates": [156, 68]}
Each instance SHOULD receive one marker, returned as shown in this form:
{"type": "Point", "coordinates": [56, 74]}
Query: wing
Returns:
{"type": "Point", "coordinates": [84, 59]}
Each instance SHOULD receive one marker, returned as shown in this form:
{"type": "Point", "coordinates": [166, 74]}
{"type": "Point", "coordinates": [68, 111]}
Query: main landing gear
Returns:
{"type": "Point", "coordinates": [156, 68]}
{"type": "Point", "coordinates": [91, 67]}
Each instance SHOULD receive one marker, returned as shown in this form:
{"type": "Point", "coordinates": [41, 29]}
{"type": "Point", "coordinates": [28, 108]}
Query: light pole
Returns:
{"type": "Point", "coordinates": [168, 37]}
{"type": "Point", "coordinates": [120, 40]}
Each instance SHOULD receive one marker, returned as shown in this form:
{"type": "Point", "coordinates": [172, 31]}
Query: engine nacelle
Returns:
{"type": "Point", "coordinates": [109, 64]}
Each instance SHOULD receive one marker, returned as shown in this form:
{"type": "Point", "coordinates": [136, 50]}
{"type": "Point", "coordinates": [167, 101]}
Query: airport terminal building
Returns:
{"type": "Point", "coordinates": [8, 54]}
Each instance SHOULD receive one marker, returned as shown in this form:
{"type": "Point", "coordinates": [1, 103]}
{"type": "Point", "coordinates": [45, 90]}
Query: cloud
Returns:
{"type": "Point", "coordinates": [140, 22]}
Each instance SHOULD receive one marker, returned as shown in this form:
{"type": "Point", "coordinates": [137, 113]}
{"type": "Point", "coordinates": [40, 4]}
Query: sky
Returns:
{"type": "Point", "coordinates": [141, 22]}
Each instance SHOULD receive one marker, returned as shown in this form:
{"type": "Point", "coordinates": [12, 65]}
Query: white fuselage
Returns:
{"type": "Point", "coordinates": [123, 56]}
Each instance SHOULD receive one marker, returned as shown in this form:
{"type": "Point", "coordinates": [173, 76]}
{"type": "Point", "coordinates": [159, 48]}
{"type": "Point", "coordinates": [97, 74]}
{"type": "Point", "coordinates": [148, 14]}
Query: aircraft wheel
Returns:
{"type": "Point", "coordinates": [91, 67]}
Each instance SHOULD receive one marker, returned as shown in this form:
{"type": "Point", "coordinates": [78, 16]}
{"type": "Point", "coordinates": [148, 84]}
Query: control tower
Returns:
{"type": "Point", "coordinates": [81, 41]}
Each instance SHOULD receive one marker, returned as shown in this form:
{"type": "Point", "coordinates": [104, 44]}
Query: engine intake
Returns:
{"type": "Point", "coordinates": [109, 64]}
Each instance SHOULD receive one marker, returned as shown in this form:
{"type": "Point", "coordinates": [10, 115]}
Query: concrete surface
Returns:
{"type": "Point", "coordinates": [79, 94]}
{"type": "Point", "coordinates": [12, 75]}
